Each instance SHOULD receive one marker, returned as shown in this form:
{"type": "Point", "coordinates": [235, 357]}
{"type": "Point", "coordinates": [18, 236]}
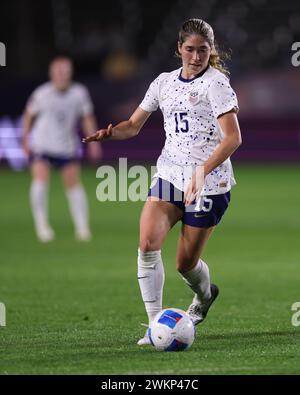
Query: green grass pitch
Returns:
{"type": "Point", "coordinates": [75, 308]}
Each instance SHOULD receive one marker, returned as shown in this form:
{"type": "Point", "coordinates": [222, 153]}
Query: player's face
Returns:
{"type": "Point", "coordinates": [61, 73]}
{"type": "Point", "coordinates": [195, 53]}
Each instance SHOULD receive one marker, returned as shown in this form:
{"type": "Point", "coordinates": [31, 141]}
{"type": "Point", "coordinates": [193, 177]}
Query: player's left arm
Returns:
{"type": "Point", "coordinates": [231, 141]}
{"type": "Point", "coordinates": [89, 125]}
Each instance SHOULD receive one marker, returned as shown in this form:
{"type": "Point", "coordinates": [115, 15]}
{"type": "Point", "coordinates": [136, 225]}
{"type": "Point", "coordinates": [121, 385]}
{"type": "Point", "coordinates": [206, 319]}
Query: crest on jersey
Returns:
{"type": "Point", "coordinates": [194, 97]}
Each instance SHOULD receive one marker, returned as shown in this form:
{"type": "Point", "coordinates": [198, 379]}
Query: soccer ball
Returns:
{"type": "Point", "coordinates": [172, 330]}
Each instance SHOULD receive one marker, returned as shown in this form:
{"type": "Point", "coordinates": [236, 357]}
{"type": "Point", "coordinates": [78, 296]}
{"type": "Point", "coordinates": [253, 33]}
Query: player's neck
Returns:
{"type": "Point", "coordinates": [60, 88]}
{"type": "Point", "coordinates": [188, 75]}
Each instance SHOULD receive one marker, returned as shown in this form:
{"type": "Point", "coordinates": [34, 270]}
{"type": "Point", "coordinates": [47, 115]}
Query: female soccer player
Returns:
{"type": "Point", "coordinates": [51, 116]}
{"type": "Point", "coordinates": [194, 173]}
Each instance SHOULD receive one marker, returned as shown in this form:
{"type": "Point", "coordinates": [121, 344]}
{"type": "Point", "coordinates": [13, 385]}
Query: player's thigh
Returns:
{"type": "Point", "coordinates": [190, 246]}
{"type": "Point", "coordinates": [40, 170]}
{"type": "Point", "coordinates": [157, 218]}
{"type": "Point", "coordinates": [71, 174]}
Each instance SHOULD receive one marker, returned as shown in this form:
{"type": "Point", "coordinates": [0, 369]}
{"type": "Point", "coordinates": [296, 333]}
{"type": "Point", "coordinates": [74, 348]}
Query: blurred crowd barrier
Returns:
{"type": "Point", "coordinates": [263, 140]}
{"type": "Point", "coordinates": [11, 150]}
{"type": "Point", "coordinates": [269, 117]}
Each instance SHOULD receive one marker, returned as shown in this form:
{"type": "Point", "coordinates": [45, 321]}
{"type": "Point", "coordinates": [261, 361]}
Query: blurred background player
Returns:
{"type": "Point", "coordinates": [50, 139]}
{"type": "Point", "coordinates": [194, 174]}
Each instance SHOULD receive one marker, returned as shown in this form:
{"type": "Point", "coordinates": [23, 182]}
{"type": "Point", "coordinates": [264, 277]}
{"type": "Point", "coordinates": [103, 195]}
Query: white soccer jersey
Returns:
{"type": "Point", "coordinates": [190, 109]}
{"type": "Point", "coordinates": [57, 113]}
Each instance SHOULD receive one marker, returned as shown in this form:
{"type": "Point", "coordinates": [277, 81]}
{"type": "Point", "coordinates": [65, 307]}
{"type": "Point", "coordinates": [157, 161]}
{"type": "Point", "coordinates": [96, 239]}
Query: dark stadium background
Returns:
{"type": "Point", "coordinates": [119, 47]}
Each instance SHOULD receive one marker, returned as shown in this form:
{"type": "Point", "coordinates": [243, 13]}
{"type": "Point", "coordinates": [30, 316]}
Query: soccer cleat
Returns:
{"type": "Point", "coordinates": [198, 311]}
{"type": "Point", "coordinates": [144, 341]}
{"type": "Point", "coordinates": [83, 234]}
{"type": "Point", "coordinates": [44, 234]}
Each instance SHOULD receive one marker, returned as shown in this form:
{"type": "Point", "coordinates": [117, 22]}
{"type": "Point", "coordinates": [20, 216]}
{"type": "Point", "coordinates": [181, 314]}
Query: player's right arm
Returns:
{"type": "Point", "coordinates": [28, 119]}
{"type": "Point", "coordinates": [123, 130]}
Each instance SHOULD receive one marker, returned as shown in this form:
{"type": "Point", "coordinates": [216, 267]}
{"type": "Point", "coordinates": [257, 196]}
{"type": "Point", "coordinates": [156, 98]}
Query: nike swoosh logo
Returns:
{"type": "Point", "coordinates": [200, 216]}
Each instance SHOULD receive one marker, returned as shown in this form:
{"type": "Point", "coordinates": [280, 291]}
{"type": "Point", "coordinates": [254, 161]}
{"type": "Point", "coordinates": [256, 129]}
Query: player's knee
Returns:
{"type": "Point", "coordinates": [186, 264]}
{"type": "Point", "coordinates": [71, 182]}
{"type": "Point", "coordinates": [146, 245]}
{"type": "Point", "coordinates": [40, 173]}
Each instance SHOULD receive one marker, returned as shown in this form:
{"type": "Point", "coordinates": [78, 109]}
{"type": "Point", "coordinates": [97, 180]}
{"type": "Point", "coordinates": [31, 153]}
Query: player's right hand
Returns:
{"type": "Point", "coordinates": [102, 134]}
{"type": "Point", "coordinates": [26, 149]}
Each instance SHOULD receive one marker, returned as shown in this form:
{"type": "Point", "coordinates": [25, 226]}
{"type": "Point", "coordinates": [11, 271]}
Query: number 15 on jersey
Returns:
{"type": "Point", "coordinates": [181, 122]}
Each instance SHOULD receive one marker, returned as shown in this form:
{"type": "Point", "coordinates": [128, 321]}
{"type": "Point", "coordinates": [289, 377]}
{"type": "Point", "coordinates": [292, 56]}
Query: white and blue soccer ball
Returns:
{"type": "Point", "coordinates": [172, 330]}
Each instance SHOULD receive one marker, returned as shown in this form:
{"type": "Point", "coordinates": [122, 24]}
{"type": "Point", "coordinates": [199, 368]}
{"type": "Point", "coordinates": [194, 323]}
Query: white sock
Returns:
{"type": "Point", "coordinates": [151, 278]}
{"type": "Point", "coordinates": [78, 207]}
{"type": "Point", "coordinates": [198, 280]}
{"type": "Point", "coordinates": [39, 202]}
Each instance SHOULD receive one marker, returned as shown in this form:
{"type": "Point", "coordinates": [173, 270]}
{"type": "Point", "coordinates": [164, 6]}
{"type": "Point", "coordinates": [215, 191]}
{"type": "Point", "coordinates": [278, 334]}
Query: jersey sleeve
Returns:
{"type": "Point", "coordinates": [222, 97]}
{"type": "Point", "coordinates": [85, 102]}
{"type": "Point", "coordinates": [150, 102]}
{"type": "Point", "coordinates": [33, 105]}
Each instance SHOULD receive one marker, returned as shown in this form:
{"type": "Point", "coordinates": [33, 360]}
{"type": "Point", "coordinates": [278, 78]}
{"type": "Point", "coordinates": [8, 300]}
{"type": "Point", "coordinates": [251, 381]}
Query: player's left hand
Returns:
{"type": "Point", "coordinates": [195, 186]}
{"type": "Point", "coordinates": [102, 134]}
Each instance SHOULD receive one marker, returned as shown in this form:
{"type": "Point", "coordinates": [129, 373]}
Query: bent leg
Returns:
{"type": "Point", "coordinates": [194, 270]}
{"type": "Point", "coordinates": [77, 200]}
{"type": "Point", "coordinates": [190, 246]}
{"type": "Point", "coordinates": [157, 218]}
